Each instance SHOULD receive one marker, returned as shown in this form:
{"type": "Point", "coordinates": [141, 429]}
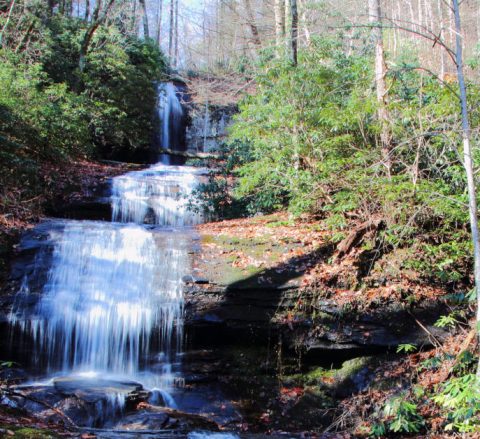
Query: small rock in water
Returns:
{"type": "Point", "coordinates": [187, 279]}
{"type": "Point", "coordinates": [72, 385]}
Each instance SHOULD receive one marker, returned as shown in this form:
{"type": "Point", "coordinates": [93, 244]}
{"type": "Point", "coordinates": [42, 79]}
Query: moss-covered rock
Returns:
{"type": "Point", "coordinates": [354, 376]}
{"type": "Point", "coordinates": [27, 433]}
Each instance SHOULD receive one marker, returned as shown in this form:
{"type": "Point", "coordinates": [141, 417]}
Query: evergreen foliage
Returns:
{"type": "Point", "coordinates": [50, 111]}
{"type": "Point", "coordinates": [311, 144]}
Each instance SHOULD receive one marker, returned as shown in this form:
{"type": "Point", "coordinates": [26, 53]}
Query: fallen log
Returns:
{"type": "Point", "coordinates": [356, 236]}
{"type": "Point", "coordinates": [192, 155]}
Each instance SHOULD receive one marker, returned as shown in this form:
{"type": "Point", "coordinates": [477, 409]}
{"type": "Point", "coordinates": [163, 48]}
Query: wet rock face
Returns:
{"type": "Point", "coordinates": [222, 313]}
{"type": "Point", "coordinates": [93, 205]}
{"type": "Point", "coordinates": [29, 271]}
{"type": "Point", "coordinates": [79, 402]}
{"type": "Point", "coordinates": [94, 390]}
{"type": "Point", "coordinates": [161, 418]}
{"type": "Point", "coordinates": [208, 126]}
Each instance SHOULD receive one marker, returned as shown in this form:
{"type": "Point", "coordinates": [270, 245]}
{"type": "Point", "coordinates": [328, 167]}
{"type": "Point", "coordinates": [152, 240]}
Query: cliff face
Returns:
{"type": "Point", "coordinates": [273, 318]}
{"type": "Point", "coordinates": [266, 277]}
{"type": "Point", "coordinates": [208, 126]}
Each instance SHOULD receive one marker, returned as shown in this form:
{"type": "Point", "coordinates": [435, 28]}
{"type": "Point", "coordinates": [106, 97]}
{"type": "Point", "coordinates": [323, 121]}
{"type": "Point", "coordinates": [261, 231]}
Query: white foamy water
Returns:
{"type": "Point", "coordinates": [157, 195]}
{"type": "Point", "coordinates": [170, 113]}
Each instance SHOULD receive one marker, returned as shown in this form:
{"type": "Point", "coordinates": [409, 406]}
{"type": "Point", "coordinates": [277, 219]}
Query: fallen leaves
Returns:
{"type": "Point", "coordinates": [288, 393]}
{"type": "Point", "coordinates": [276, 248]}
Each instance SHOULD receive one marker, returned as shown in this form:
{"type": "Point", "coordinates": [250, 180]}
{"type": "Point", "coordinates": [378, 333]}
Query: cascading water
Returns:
{"type": "Point", "coordinates": [112, 305]}
{"type": "Point", "coordinates": [158, 195]}
{"type": "Point", "coordinates": [109, 286]}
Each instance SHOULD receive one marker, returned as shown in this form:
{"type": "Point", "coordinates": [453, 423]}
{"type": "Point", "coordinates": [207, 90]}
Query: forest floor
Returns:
{"type": "Point", "coordinates": [276, 243]}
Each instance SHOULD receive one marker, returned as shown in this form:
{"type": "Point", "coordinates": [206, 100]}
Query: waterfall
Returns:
{"type": "Point", "coordinates": [112, 304]}
{"type": "Point", "coordinates": [170, 114]}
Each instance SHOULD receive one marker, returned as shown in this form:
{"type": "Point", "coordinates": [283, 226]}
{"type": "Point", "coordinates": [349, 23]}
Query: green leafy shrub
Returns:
{"type": "Point", "coordinates": [399, 416]}
{"type": "Point", "coordinates": [460, 398]}
{"type": "Point", "coordinates": [313, 146]}
{"type": "Point", "coordinates": [51, 112]}
{"type": "Point", "coordinates": [406, 348]}
{"type": "Point", "coordinates": [120, 82]}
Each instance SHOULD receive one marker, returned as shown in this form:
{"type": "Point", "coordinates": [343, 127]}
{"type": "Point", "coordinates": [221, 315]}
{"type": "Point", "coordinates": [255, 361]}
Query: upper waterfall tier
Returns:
{"type": "Point", "coordinates": [158, 195]}
{"type": "Point", "coordinates": [170, 112]}
{"type": "Point", "coordinates": [172, 117]}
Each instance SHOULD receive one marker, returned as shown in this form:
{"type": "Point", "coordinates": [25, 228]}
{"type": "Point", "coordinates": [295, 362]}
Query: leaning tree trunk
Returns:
{"type": "Point", "coordinates": [10, 10]}
{"type": "Point", "coordinates": [375, 19]}
{"type": "Point", "coordinates": [467, 159]}
{"type": "Point", "coordinates": [97, 19]}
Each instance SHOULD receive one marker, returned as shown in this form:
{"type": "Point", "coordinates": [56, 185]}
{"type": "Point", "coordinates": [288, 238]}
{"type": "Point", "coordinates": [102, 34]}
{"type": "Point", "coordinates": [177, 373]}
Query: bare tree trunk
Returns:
{"type": "Point", "coordinates": [279, 26]}
{"type": "Point", "coordinates": [223, 42]}
{"type": "Point", "coordinates": [375, 19]}
{"type": "Point", "coordinates": [87, 10]}
{"type": "Point", "coordinates": [170, 30]}
{"type": "Point", "coordinates": [158, 36]}
{"type": "Point", "coordinates": [133, 22]}
{"type": "Point", "coordinates": [288, 24]}
{"type": "Point", "coordinates": [304, 21]}
{"type": "Point", "coordinates": [440, 32]}
{"type": "Point", "coordinates": [175, 41]}
{"type": "Point", "coordinates": [467, 158]}
{"type": "Point", "coordinates": [395, 16]}
{"type": "Point", "coordinates": [451, 26]}
{"type": "Point", "coordinates": [413, 21]}
{"type": "Point", "coordinates": [294, 34]}
{"type": "Point", "coordinates": [143, 7]}
{"type": "Point", "coordinates": [420, 14]}
{"type": "Point", "coordinates": [477, 22]}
